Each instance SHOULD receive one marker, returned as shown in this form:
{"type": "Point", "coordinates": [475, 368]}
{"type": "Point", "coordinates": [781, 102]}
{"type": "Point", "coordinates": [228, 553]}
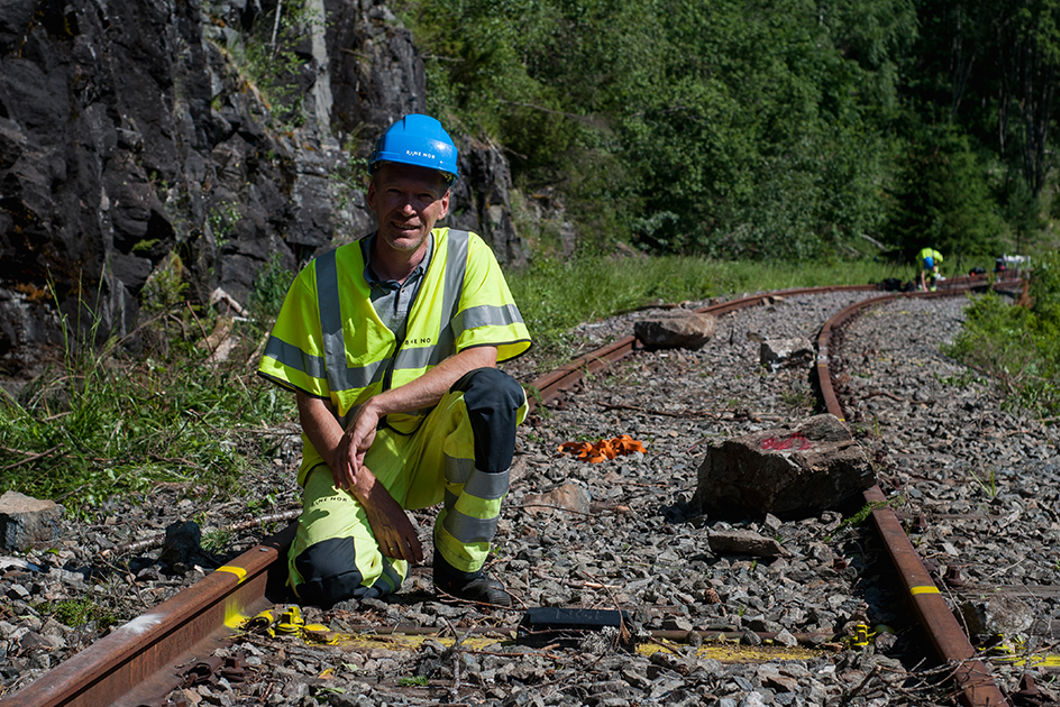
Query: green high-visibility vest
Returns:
{"type": "Point", "coordinates": [329, 342]}
{"type": "Point", "coordinates": [928, 253]}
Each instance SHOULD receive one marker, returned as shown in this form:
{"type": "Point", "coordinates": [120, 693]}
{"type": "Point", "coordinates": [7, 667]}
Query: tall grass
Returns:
{"type": "Point", "coordinates": [104, 421]}
{"type": "Point", "coordinates": [555, 295]}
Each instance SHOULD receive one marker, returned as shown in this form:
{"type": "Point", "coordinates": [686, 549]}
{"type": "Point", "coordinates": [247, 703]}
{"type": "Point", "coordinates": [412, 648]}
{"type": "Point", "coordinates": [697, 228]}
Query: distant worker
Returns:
{"type": "Point", "coordinates": [928, 261]}
{"type": "Point", "coordinates": [999, 268]}
{"type": "Point", "coordinates": [390, 344]}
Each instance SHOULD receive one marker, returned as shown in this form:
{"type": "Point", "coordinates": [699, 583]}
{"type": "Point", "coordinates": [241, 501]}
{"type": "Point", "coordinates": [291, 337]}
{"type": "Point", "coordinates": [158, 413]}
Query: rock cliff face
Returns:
{"type": "Point", "coordinates": [195, 138]}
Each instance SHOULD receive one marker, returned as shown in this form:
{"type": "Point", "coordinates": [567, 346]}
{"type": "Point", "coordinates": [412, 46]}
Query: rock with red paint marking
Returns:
{"type": "Point", "coordinates": [25, 520]}
{"type": "Point", "coordinates": [686, 330]}
{"type": "Point", "coordinates": [794, 471]}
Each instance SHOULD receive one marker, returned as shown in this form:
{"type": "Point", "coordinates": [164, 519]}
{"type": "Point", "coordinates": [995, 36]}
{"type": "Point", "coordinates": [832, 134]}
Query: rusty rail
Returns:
{"type": "Point", "coordinates": [135, 663]}
{"type": "Point", "coordinates": [549, 386]}
{"type": "Point", "coordinates": [970, 675]}
{"type": "Point", "coordinates": [129, 665]}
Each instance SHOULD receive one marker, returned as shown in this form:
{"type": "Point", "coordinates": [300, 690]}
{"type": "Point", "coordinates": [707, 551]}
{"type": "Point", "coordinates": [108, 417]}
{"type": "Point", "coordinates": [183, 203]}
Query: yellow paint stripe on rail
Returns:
{"type": "Point", "coordinates": [924, 589]}
{"type": "Point", "coordinates": [239, 572]}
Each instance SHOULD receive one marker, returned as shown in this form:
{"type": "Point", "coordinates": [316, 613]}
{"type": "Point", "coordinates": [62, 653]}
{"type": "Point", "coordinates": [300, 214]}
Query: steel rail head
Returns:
{"type": "Point", "coordinates": [972, 677]}
{"type": "Point", "coordinates": [129, 659]}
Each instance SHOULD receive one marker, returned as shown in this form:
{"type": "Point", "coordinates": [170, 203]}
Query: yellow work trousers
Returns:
{"type": "Point", "coordinates": [435, 464]}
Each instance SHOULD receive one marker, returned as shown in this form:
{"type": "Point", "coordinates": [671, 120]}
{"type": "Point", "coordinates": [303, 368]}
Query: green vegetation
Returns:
{"type": "Point", "coordinates": [774, 129]}
{"type": "Point", "coordinates": [270, 288]}
{"type": "Point", "coordinates": [216, 539]}
{"type": "Point", "coordinates": [271, 62]}
{"type": "Point", "coordinates": [78, 612]}
{"type": "Point", "coordinates": [104, 421]}
{"type": "Point", "coordinates": [1019, 346]}
{"type": "Point", "coordinates": [868, 509]}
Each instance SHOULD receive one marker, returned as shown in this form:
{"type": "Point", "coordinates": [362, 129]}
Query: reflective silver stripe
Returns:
{"type": "Point", "coordinates": [330, 318]}
{"type": "Point", "coordinates": [487, 485]}
{"type": "Point", "coordinates": [417, 358]}
{"type": "Point", "coordinates": [340, 377]}
{"type": "Point", "coordinates": [362, 377]}
{"type": "Point", "coordinates": [487, 315]}
{"type": "Point", "coordinates": [450, 500]}
{"type": "Point", "coordinates": [469, 530]}
{"type": "Point", "coordinates": [294, 357]}
{"type": "Point", "coordinates": [350, 378]}
{"type": "Point", "coordinates": [457, 470]}
{"type": "Point", "coordinates": [453, 285]}
{"type": "Point", "coordinates": [390, 576]}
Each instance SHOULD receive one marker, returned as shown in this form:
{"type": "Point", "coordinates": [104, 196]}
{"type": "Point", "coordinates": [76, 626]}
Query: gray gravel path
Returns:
{"type": "Point", "coordinates": [978, 486]}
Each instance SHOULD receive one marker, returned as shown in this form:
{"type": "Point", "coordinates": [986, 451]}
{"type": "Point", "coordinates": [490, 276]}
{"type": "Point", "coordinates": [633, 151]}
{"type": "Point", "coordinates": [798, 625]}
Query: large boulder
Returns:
{"type": "Point", "coordinates": [25, 520]}
{"type": "Point", "coordinates": [673, 330]}
{"type": "Point", "coordinates": [793, 471]}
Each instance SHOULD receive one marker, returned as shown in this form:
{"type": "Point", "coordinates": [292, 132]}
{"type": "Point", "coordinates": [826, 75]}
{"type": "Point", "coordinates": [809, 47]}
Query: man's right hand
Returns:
{"type": "Point", "coordinates": [391, 526]}
{"type": "Point", "coordinates": [344, 450]}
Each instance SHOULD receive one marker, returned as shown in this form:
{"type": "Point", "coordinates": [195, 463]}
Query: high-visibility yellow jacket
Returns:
{"type": "Point", "coordinates": [928, 253]}
{"type": "Point", "coordinates": [329, 342]}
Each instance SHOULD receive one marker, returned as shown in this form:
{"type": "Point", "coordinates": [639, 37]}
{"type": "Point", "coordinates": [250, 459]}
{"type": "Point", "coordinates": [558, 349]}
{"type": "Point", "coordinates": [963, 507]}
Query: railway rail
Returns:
{"type": "Point", "coordinates": [133, 664]}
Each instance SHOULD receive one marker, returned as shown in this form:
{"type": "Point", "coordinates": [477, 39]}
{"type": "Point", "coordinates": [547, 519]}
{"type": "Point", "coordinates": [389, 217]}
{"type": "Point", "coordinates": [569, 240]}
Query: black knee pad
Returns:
{"type": "Point", "coordinates": [492, 399]}
{"type": "Point", "coordinates": [329, 572]}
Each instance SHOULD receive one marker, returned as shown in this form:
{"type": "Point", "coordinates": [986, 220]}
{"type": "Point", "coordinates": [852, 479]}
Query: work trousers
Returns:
{"type": "Point", "coordinates": [460, 456]}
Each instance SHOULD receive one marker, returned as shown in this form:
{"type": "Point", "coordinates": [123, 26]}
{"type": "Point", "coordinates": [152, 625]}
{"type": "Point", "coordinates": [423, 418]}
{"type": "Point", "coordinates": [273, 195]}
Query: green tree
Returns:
{"type": "Point", "coordinates": [994, 67]}
{"type": "Point", "coordinates": [941, 197]}
{"type": "Point", "coordinates": [769, 128]}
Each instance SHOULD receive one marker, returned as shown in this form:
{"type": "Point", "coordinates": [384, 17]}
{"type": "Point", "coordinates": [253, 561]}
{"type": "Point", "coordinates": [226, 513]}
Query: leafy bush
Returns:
{"type": "Point", "coordinates": [1020, 347]}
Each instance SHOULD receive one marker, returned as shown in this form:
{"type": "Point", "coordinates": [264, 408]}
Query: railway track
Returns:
{"type": "Point", "coordinates": [134, 663]}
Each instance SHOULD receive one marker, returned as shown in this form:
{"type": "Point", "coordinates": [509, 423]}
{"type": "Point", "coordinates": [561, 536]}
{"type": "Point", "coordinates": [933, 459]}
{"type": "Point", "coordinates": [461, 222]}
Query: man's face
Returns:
{"type": "Point", "coordinates": [407, 202]}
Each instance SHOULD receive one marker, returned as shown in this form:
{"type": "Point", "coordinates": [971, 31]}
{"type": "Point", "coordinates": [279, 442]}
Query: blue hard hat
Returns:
{"type": "Point", "coordinates": [418, 140]}
{"type": "Point", "coordinates": [929, 262]}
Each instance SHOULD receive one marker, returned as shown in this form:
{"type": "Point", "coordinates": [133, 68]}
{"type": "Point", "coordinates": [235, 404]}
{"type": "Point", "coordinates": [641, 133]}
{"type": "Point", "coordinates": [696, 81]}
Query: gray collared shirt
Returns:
{"type": "Point", "coordinates": [391, 299]}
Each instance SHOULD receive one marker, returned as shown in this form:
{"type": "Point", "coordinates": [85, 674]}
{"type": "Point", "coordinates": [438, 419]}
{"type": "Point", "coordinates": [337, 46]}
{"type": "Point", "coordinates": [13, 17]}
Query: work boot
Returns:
{"type": "Point", "coordinates": [473, 586]}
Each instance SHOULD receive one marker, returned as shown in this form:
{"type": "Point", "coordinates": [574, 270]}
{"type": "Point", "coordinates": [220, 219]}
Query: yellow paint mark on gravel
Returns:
{"type": "Point", "coordinates": [736, 652]}
{"type": "Point", "coordinates": [1034, 660]}
{"type": "Point", "coordinates": [402, 642]}
{"type": "Point", "coordinates": [720, 651]}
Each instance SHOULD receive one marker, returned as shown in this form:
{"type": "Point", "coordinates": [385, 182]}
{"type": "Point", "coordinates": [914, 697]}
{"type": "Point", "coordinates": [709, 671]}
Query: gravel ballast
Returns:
{"type": "Point", "coordinates": [977, 486]}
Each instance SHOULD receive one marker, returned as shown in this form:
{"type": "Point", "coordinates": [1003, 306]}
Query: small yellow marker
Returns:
{"type": "Point", "coordinates": [239, 572]}
{"type": "Point", "coordinates": [924, 589]}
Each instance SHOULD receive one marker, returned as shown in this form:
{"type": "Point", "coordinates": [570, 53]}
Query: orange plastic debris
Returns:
{"type": "Point", "coordinates": [596, 452]}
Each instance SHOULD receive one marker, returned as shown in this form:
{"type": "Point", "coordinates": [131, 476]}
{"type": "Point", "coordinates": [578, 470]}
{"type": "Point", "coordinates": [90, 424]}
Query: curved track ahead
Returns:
{"type": "Point", "coordinates": [129, 665]}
